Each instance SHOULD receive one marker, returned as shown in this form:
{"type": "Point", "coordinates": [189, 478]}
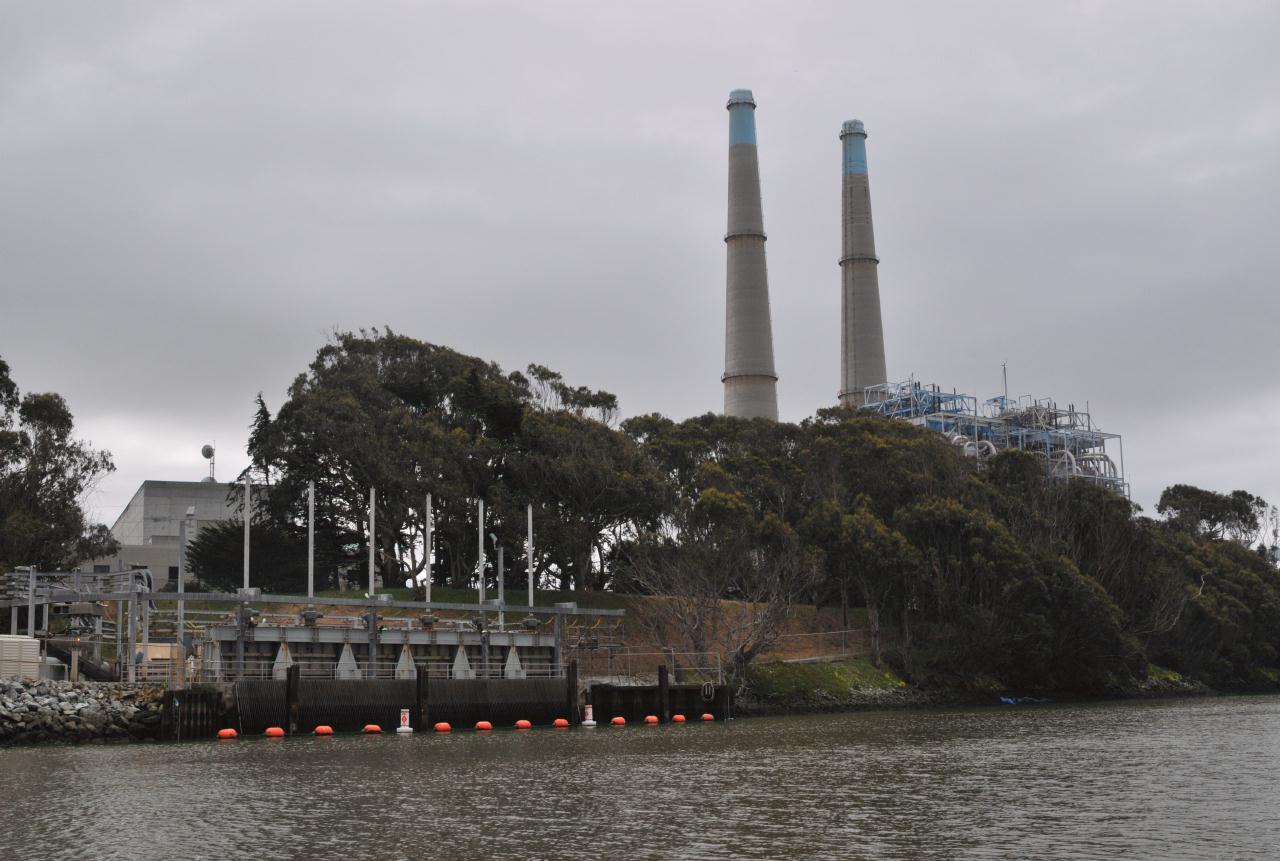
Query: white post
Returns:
{"type": "Point", "coordinates": [502, 589]}
{"type": "Point", "coordinates": [182, 605]}
{"type": "Point", "coordinates": [133, 631]}
{"type": "Point", "coordinates": [480, 556]}
{"type": "Point", "coordinates": [31, 601]}
{"type": "Point", "coordinates": [248, 515]}
{"type": "Point", "coordinates": [430, 529]}
{"type": "Point", "coordinates": [529, 553]}
{"type": "Point", "coordinates": [373, 532]}
{"type": "Point", "coordinates": [311, 539]}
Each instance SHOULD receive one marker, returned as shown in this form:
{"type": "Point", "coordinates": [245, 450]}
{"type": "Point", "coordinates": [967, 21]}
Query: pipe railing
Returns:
{"type": "Point", "coordinates": [641, 668]}
{"type": "Point", "coordinates": [843, 643]}
{"type": "Point", "coordinates": [229, 670]}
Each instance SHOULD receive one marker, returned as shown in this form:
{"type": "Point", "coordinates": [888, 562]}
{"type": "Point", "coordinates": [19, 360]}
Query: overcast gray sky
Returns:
{"type": "Point", "coordinates": [194, 195]}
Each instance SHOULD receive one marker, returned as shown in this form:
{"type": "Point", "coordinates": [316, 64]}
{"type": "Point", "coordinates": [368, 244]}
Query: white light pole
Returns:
{"type": "Point", "coordinates": [480, 542]}
{"type": "Point", "coordinates": [429, 528]}
{"type": "Point", "coordinates": [31, 602]}
{"type": "Point", "coordinates": [311, 540]}
{"type": "Point", "coordinates": [182, 604]}
{"type": "Point", "coordinates": [529, 553]}
{"type": "Point", "coordinates": [502, 588]}
{"type": "Point", "coordinates": [373, 515]}
{"type": "Point", "coordinates": [248, 514]}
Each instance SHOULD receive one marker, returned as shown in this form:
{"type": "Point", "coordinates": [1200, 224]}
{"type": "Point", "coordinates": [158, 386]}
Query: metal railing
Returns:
{"type": "Point", "coordinates": [229, 670]}
{"type": "Point", "coordinates": [641, 668]}
{"type": "Point", "coordinates": [821, 645]}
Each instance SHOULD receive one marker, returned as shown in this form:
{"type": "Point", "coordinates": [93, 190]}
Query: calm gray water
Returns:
{"type": "Point", "coordinates": [1176, 779]}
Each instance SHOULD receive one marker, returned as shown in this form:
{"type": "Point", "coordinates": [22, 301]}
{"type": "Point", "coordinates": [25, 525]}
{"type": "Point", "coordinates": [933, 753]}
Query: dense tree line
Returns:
{"type": "Point", "coordinates": [377, 409]}
{"type": "Point", "coordinates": [995, 577]}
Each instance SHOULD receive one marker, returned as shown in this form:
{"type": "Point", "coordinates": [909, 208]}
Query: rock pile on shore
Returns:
{"type": "Point", "coordinates": [77, 712]}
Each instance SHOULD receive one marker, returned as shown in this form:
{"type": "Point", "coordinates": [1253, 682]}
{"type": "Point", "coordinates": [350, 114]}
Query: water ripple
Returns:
{"type": "Point", "coordinates": [1188, 779]}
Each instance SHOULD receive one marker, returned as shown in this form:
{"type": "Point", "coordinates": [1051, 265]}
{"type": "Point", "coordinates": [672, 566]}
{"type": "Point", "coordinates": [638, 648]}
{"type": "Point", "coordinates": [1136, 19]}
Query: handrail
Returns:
{"type": "Point", "coordinates": [64, 595]}
{"type": "Point", "coordinates": [229, 670]}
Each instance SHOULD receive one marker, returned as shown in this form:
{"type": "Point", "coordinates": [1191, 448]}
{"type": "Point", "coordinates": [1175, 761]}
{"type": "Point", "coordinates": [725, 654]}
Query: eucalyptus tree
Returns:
{"type": "Point", "coordinates": [376, 409]}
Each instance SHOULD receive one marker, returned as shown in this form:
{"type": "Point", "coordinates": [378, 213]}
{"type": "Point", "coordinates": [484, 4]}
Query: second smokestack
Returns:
{"type": "Point", "coordinates": [861, 335]}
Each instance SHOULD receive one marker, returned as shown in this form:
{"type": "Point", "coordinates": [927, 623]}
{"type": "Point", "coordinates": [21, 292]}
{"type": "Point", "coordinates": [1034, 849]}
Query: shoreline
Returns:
{"type": "Point", "coordinates": [55, 712]}
{"type": "Point", "coordinates": [902, 698]}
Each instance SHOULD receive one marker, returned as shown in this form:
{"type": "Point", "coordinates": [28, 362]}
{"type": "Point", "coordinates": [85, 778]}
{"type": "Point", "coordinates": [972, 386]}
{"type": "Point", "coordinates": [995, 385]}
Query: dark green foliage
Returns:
{"type": "Point", "coordinates": [987, 608]}
{"type": "Point", "coordinates": [377, 409]}
{"type": "Point", "coordinates": [1004, 577]}
{"type": "Point", "coordinates": [1238, 515]}
{"type": "Point", "coordinates": [1000, 577]}
{"type": "Point", "coordinates": [590, 483]}
{"type": "Point", "coordinates": [277, 559]}
{"type": "Point", "coordinates": [44, 474]}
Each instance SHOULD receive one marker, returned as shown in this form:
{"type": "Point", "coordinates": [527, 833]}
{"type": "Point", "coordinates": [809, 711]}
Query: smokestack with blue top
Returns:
{"type": "Point", "coordinates": [862, 335]}
{"type": "Point", "coordinates": [750, 384]}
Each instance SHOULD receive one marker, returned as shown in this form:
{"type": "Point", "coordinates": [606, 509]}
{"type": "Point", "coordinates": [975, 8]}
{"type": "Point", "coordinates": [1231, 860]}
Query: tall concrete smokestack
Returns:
{"type": "Point", "coordinates": [861, 335]}
{"type": "Point", "coordinates": [750, 384]}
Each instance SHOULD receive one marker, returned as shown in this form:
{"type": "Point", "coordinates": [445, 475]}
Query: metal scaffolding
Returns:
{"type": "Point", "coordinates": [1065, 439]}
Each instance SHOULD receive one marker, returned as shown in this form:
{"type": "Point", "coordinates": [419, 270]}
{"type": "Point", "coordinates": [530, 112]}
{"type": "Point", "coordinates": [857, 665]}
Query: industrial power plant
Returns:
{"type": "Point", "coordinates": [1067, 440]}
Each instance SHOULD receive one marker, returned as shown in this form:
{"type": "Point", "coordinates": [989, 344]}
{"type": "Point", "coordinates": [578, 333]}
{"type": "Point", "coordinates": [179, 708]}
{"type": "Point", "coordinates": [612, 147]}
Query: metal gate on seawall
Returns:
{"type": "Point", "coordinates": [300, 704]}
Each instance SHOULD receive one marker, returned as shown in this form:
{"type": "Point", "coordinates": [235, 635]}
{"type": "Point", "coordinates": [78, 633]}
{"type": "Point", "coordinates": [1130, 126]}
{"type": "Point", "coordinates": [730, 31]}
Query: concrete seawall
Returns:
{"type": "Point", "coordinates": [46, 711]}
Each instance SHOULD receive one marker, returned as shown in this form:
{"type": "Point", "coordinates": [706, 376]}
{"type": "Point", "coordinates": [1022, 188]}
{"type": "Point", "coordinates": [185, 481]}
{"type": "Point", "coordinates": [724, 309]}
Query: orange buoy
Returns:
{"type": "Point", "coordinates": [708, 716]}
{"type": "Point", "coordinates": [274, 732]}
{"type": "Point", "coordinates": [677, 718]}
{"type": "Point", "coordinates": [561, 723]}
{"type": "Point", "coordinates": [651, 720]}
{"type": "Point", "coordinates": [324, 729]}
{"type": "Point", "coordinates": [523, 724]}
{"type": "Point", "coordinates": [443, 727]}
{"type": "Point", "coordinates": [372, 729]}
{"type": "Point", "coordinates": [228, 733]}
{"type": "Point", "coordinates": [483, 725]}
{"type": "Point", "coordinates": [619, 721]}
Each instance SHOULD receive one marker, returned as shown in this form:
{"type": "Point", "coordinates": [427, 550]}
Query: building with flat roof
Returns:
{"type": "Point", "coordinates": [149, 527]}
{"type": "Point", "coordinates": [155, 512]}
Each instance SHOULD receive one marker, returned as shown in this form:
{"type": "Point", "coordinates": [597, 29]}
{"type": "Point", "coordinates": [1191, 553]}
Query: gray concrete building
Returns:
{"type": "Point", "coordinates": [149, 527]}
{"type": "Point", "coordinates": [750, 383]}
{"type": "Point", "coordinates": [862, 334]}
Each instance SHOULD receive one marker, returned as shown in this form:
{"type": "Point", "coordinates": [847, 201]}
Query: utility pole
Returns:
{"type": "Point", "coordinates": [480, 557]}
{"type": "Point", "coordinates": [502, 591]}
{"type": "Point", "coordinates": [31, 602]}
{"type": "Point", "coordinates": [248, 515]}
{"type": "Point", "coordinates": [373, 516]}
{"type": "Point", "coordinates": [529, 553]}
{"type": "Point", "coordinates": [430, 529]}
{"type": "Point", "coordinates": [182, 604]}
{"type": "Point", "coordinates": [311, 540]}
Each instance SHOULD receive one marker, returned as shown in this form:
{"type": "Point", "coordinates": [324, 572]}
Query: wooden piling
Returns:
{"type": "Point", "coordinates": [664, 694]}
{"type": "Point", "coordinates": [571, 692]}
{"type": "Point", "coordinates": [424, 702]}
{"type": "Point", "coordinates": [292, 677]}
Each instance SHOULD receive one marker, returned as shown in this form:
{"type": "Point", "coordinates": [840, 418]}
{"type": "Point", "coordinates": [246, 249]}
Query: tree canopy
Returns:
{"type": "Point", "coordinates": [1002, 576]}
{"type": "Point", "coordinates": [381, 410]}
{"type": "Point", "coordinates": [45, 474]}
